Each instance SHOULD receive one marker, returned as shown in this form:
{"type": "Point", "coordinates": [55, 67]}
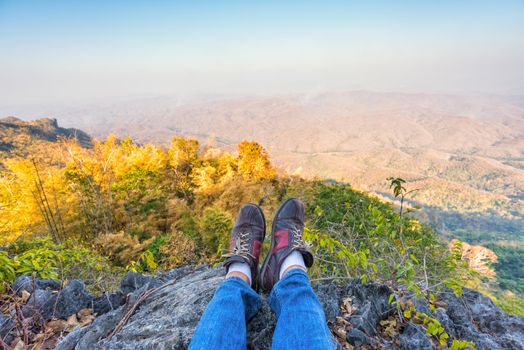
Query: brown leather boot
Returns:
{"type": "Point", "coordinates": [288, 226]}
{"type": "Point", "coordinates": [246, 240]}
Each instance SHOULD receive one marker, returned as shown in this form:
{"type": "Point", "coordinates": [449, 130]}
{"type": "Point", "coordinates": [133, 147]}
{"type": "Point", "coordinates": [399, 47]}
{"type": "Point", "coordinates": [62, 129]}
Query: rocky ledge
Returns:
{"type": "Point", "coordinates": [161, 312]}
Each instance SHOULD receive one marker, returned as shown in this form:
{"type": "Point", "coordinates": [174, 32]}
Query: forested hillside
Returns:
{"type": "Point", "coordinates": [463, 154]}
{"type": "Point", "coordinates": [73, 209]}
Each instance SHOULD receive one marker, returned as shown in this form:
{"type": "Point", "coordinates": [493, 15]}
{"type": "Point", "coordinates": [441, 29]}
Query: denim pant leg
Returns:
{"type": "Point", "coordinates": [301, 323]}
{"type": "Point", "coordinates": [223, 324]}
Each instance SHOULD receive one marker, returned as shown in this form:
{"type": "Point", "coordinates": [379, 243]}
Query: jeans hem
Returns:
{"type": "Point", "coordinates": [290, 273]}
{"type": "Point", "coordinates": [236, 280]}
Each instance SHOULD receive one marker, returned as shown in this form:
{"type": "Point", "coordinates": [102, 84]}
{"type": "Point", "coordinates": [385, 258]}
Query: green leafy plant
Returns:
{"type": "Point", "coordinates": [407, 312]}
{"type": "Point", "coordinates": [215, 227]}
{"type": "Point", "coordinates": [42, 262]}
{"type": "Point", "coordinates": [146, 263]}
{"type": "Point", "coordinates": [7, 271]}
{"type": "Point", "coordinates": [462, 344]}
{"type": "Point", "coordinates": [336, 259]}
{"type": "Point", "coordinates": [42, 258]}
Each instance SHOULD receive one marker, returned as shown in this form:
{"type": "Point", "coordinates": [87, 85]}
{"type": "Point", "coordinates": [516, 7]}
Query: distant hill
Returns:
{"type": "Point", "coordinates": [18, 137]}
{"type": "Point", "coordinates": [470, 145]}
{"type": "Point", "coordinates": [463, 154]}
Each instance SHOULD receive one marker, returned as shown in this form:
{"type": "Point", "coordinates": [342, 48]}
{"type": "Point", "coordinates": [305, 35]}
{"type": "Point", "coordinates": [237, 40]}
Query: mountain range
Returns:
{"type": "Point", "coordinates": [462, 153]}
{"type": "Point", "coordinates": [463, 156]}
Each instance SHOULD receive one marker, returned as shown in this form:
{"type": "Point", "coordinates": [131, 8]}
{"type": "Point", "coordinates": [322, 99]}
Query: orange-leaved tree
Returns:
{"type": "Point", "coordinates": [253, 162]}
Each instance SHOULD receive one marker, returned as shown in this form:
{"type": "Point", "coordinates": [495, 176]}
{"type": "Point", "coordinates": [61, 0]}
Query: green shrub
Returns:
{"type": "Point", "coordinates": [146, 263]}
{"type": "Point", "coordinates": [7, 271]}
{"type": "Point", "coordinates": [41, 258]}
{"type": "Point", "coordinates": [215, 228]}
{"type": "Point", "coordinates": [359, 236]}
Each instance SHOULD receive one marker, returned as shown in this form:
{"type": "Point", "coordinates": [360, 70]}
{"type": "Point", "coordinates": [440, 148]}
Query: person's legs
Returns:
{"type": "Point", "coordinates": [223, 324]}
{"type": "Point", "coordinates": [301, 323]}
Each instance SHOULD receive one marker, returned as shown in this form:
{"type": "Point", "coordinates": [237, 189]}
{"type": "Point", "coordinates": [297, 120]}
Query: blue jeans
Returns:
{"type": "Point", "coordinates": [301, 323]}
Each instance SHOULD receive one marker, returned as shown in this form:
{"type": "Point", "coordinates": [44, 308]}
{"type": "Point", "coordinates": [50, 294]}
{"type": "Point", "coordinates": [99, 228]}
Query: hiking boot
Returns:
{"type": "Point", "coordinates": [288, 226]}
{"type": "Point", "coordinates": [246, 240]}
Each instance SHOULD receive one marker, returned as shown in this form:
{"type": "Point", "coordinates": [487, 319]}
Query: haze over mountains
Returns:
{"type": "Point", "coordinates": [473, 145]}
{"type": "Point", "coordinates": [464, 155]}
{"type": "Point", "coordinates": [470, 148]}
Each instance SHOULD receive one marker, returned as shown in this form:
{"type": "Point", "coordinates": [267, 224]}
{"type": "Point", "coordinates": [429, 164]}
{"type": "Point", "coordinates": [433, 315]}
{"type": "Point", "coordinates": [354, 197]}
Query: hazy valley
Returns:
{"type": "Point", "coordinates": [464, 156]}
{"type": "Point", "coordinates": [463, 153]}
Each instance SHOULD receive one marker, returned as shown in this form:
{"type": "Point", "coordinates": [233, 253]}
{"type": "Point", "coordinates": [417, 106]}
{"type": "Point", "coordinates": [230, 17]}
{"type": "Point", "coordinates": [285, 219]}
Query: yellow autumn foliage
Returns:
{"type": "Point", "coordinates": [119, 186]}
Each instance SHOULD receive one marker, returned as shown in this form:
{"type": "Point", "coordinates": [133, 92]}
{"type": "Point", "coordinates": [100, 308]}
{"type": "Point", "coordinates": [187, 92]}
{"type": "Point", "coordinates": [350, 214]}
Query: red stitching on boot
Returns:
{"type": "Point", "coordinates": [283, 241]}
{"type": "Point", "coordinates": [256, 249]}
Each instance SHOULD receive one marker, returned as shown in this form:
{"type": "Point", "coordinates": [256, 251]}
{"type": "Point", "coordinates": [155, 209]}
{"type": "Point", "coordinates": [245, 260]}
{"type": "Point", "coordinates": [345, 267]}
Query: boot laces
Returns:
{"type": "Point", "coordinates": [241, 246]}
{"type": "Point", "coordinates": [298, 242]}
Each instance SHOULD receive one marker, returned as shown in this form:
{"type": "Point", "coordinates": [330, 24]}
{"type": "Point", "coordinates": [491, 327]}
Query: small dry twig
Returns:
{"type": "Point", "coordinates": [140, 299]}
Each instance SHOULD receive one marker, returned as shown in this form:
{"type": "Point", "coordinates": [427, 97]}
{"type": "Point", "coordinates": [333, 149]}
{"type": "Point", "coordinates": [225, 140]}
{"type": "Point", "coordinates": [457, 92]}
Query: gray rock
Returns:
{"type": "Point", "coordinates": [133, 281]}
{"type": "Point", "coordinates": [6, 327]}
{"type": "Point", "coordinates": [175, 310]}
{"type": "Point", "coordinates": [2, 321]}
{"type": "Point", "coordinates": [391, 347]}
{"type": "Point", "coordinates": [421, 305]}
{"type": "Point", "coordinates": [510, 341]}
{"type": "Point", "coordinates": [26, 283]}
{"type": "Point", "coordinates": [62, 304]}
{"type": "Point", "coordinates": [179, 272]}
{"type": "Point", "coordinates": [73, 298]}
{"type": "Point", "coordinates": [414, 337]}
{"type": "Point", "coordinates": [108, 302]}
{"type": "Point", "coordinates": [365, 320]}
{"type": "Point", "coordinates": [456, 308]}
{"type": "Point", "coordinates": [485, 342]}
{"type": "Point", "coordinates": [5, 323]}
{"type": "Point", "coordinates": [477, 319]}
{"type": "Point", "coordinates": [168, 318]}
{"type": "Point", "coordinates": [260, 329]}
{"type": "Point", "coordinates": [72, 339]}
{"type": "Point", "coordinates": [91, 336]}
{"type": "Point", "coordinates": [41, 302]}
{"type": "Point", "coordinates": [358, 338]}
{"type": "Point", "coordinates": [445, 321]}
{"type": "Point", "coordinates": [371, 300]}
{"type": "Point", "coordinates": [329, 296]}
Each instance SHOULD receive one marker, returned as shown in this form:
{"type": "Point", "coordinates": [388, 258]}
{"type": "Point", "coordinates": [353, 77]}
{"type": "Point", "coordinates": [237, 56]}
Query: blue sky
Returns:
{"type": "Point", "coordinates": [63, 50]}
